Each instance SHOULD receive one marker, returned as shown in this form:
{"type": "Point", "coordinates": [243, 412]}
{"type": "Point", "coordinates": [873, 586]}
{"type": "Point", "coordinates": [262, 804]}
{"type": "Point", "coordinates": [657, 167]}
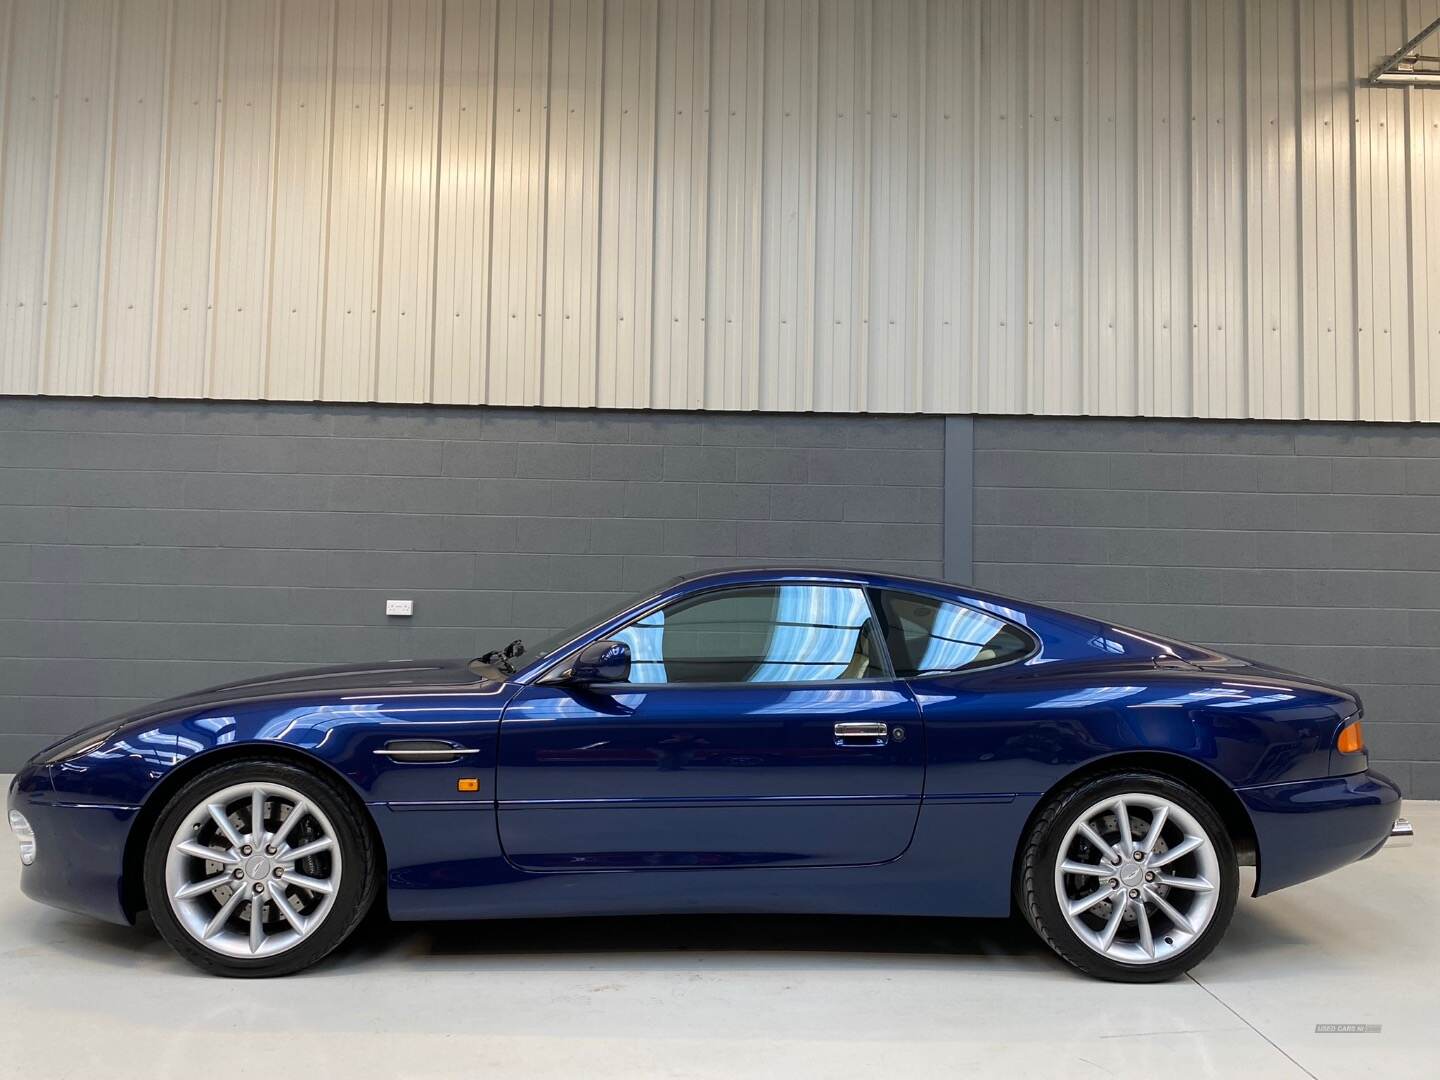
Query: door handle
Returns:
{"type": "Point", "coordinates": [862, 733]}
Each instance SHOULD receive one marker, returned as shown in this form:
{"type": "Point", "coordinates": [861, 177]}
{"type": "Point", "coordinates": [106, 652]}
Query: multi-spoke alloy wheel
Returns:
{"type": "Point", "coordinates": [1130, 876]}
{"type": "Point", "coordinates": [1138, 878]}
{"type": "Point", "coordinates": [253, 870]}
{"type": "Point", "coordinates": [259, 868]}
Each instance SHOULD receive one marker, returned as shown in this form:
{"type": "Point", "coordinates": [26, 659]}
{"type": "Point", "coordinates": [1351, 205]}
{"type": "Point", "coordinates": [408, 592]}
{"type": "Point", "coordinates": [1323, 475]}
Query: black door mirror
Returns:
{"type": "Point", "coordinates": [600, 662]}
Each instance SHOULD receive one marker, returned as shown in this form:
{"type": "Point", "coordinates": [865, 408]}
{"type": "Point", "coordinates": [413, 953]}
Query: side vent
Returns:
{"type": "Point", "coordinates": [424, 751]}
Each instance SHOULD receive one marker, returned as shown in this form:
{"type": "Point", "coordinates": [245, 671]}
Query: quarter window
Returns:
{"type": "Point", "coordinates": [926, 636]}
{"type": "Point", "coordinates": [765, 634]}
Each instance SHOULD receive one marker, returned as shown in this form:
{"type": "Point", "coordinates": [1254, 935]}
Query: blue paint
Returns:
{"type": "Point", "coordinates": [645, 796]}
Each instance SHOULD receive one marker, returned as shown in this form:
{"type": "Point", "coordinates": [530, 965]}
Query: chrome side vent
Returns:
{"type": "Point", "coordinates": [424, 751]}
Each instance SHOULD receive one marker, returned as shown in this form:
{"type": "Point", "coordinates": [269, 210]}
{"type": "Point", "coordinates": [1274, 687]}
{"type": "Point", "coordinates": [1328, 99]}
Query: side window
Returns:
{"type": "Point", "coordinates": [927, 636]}
{"type": "Point", "coordinates": [765, 634]}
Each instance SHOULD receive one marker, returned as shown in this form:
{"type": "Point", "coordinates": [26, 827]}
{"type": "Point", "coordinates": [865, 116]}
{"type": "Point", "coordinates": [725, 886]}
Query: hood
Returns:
{"type": "Point", "coordinates": [378, 676]}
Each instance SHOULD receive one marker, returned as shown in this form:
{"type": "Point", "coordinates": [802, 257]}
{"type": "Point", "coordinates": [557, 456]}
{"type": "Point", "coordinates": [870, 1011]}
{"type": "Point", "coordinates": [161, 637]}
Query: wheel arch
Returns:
{"type": "Point", "coordinates": [132, 876]}
{"type": "Point", "coordinates": [1175, 766]}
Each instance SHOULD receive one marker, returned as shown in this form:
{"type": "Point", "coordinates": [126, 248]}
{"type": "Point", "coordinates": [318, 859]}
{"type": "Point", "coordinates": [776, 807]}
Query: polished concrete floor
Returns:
{"type": "Point", "coordinates": [700, 997]}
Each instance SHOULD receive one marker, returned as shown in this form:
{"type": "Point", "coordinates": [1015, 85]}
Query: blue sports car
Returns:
{"type": "Point", "coordinates": [756, 740]}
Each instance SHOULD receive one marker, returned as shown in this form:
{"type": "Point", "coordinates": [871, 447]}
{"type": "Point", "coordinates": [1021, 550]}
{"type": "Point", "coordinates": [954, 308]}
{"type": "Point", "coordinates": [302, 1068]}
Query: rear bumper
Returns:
{"type": "Point", "coordinates": [1311, 827]}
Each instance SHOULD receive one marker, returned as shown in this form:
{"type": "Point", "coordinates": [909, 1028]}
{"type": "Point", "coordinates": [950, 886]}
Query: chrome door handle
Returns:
{"type": "Point", "coordinates": [863, 732]}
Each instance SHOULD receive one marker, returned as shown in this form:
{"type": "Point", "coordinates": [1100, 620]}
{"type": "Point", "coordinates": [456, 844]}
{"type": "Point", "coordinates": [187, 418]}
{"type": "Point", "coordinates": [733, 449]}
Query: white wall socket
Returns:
{"type": "Point", "coordinates": [399, 607]}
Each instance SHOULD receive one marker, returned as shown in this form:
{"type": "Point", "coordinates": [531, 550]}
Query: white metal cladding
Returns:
{"type": "Point", "coordinates": [1183, 208]}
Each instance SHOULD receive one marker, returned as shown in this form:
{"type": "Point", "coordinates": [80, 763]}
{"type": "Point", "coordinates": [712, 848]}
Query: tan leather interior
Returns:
{"type": "Point", "coordinates": [860, 662]}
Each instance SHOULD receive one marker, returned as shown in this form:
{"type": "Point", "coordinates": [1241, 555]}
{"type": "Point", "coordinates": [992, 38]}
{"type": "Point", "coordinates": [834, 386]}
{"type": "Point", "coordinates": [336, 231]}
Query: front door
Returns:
{"type": "Point", "coordinates": [760, 727]}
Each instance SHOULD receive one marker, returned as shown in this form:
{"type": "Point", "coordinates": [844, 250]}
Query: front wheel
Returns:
{"type": "Point", "coordinates": [258, 868]}
{"type": "Point", "coordinates": [1130, 877]}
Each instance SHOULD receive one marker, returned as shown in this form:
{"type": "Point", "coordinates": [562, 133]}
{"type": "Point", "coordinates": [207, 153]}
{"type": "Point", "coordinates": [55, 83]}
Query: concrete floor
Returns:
{"type": "Point", "coordinates": [747, 996]}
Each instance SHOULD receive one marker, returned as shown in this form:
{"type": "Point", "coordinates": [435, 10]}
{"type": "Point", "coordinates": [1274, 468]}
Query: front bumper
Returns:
{"type": "Point", "coordinates": [1310, 827]}
{"type": "Point", "coordinates": [80, 848]}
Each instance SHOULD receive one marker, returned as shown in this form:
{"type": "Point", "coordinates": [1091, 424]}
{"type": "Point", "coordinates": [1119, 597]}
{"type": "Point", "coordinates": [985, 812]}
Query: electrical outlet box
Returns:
{"type": "Point", "coordinates": [399, 607]}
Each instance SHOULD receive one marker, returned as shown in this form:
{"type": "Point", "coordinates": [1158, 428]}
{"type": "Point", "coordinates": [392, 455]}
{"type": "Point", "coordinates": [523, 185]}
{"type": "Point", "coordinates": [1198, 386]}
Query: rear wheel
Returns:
{"type": "Point", "coordinates": [1130, 877]}
{"type": "Point", "coordinates": [258, 868]}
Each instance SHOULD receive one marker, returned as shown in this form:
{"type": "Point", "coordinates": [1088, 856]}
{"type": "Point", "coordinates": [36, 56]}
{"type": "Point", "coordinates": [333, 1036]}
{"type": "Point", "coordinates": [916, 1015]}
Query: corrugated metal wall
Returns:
{"type": "Point", "coordinates": [1181, 207]}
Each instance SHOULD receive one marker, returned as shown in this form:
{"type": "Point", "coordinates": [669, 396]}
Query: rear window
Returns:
{"type": "Point", "coordinates": [927, 636]}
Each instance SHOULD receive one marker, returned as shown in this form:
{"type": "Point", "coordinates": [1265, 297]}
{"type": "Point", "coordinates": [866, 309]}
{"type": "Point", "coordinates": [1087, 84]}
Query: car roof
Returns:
{"type": "Point", "coordinates": [1035, 615]}
{"type": "Point", "coordinates": [846, 574]}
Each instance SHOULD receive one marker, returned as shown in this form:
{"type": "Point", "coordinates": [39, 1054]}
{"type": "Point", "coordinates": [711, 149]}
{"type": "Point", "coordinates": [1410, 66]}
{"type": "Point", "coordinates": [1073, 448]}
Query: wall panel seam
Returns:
{"type": "Point", "coordinates": [42, 352]}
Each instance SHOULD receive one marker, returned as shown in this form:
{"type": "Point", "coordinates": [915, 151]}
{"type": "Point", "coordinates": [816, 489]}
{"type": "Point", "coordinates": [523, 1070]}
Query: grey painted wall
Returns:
{"type": "Point", "coordinates": [149, 548]}
{"type": "Point", "coordinates": [1312, 546]}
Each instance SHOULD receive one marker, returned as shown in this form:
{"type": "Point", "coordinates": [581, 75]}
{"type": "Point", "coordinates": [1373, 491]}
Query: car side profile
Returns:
{"type": "Point", "coordinates": [756, 740]}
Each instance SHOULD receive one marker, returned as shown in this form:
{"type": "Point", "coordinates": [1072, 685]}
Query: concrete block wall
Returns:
{"type": "Point", "coordinates": [1311, 546]}
{"type": "Point", "coordinates": [149, 548]}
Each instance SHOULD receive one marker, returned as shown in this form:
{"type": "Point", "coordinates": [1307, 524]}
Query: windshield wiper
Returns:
{"type": "Point", "coordinates": [501, 658]}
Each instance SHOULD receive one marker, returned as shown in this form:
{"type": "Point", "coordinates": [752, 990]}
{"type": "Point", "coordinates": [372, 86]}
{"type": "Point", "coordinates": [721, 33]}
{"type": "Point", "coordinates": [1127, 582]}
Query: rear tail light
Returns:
{"type": "Point", "coordinates": [1351, 740]}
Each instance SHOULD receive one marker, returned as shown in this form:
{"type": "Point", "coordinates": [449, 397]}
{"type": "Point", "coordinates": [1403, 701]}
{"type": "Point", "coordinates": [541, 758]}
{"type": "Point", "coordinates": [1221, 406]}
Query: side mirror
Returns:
{"type": "Point", "coordinates": [601, 662]}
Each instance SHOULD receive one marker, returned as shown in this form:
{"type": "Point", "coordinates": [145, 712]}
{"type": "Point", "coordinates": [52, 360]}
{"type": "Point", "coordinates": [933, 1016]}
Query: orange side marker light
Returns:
{"type": "Point", "coordinates": [1351, 740]}
{"type": "Point", "coordinates": [467, 785]}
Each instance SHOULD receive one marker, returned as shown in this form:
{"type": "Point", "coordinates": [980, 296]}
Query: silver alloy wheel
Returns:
{"type": "Point", "coordinates": [1138, 878]}
{"type": "Point", "coordinates": [253, 870]}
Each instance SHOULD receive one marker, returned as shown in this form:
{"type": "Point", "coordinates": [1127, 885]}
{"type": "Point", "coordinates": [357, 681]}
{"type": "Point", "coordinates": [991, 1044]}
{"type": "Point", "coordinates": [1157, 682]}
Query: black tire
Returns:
{"type": "Point", "coordinates": [358, 884]}
{"type": "Point", "coordinates": [1038, 901]}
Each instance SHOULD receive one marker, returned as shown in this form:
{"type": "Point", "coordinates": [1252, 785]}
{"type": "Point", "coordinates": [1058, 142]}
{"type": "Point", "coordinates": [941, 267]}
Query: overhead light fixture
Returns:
{"type": "Point", "coordinates": [1406, 67]}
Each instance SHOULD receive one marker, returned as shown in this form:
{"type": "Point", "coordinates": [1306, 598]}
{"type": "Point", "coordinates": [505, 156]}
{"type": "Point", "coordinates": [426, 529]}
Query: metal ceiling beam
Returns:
{"type": "Point", "coordinates": [1406, 67]}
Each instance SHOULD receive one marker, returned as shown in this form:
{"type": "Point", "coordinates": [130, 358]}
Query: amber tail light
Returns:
{"type": "Point", "coordinates": [1351, 740]}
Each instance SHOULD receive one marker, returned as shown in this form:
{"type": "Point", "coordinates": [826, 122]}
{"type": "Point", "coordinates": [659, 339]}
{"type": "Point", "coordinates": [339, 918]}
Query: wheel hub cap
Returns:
{"type": "Point", "coordinates": [257, 868]}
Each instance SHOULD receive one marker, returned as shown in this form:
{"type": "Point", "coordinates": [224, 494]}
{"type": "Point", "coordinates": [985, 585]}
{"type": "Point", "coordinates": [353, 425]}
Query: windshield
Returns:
{"type": "Point", "coordinates": [551, 642]}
